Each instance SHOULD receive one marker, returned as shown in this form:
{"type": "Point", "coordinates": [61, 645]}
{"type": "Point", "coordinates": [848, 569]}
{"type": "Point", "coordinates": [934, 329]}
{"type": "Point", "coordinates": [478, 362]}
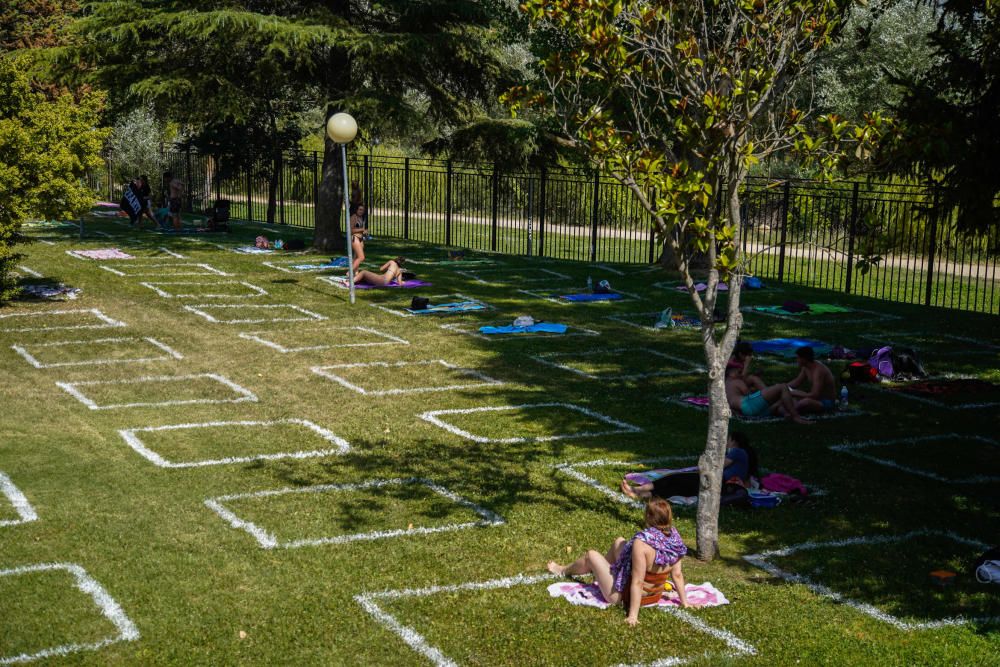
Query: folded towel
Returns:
{"type": "Point", "coordinates": [589, 595]}
{"type": "Point", "coordinates": [539, 327]}
{"type": "Point", "coordinates": [456, 307]}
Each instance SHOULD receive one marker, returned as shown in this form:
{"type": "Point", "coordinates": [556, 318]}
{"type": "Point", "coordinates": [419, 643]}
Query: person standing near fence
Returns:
{"type": "Point", "coordinates": [175, 194]}
{"type": "Point", "coordinates": [358, 233]}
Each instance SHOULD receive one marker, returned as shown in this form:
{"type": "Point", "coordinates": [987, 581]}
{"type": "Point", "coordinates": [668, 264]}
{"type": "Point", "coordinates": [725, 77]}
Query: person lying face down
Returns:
{"type": "Point", "coordinates": [392, 271]}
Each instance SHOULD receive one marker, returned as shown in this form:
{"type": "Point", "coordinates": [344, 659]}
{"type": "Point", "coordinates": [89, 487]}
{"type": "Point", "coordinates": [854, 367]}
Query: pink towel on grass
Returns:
{"type": "Point", "coordinates": [102, 253]}
{"type": "Point", "coordinates": [589, 595]}
{"type": "Point", "coordinates": [700, 401]}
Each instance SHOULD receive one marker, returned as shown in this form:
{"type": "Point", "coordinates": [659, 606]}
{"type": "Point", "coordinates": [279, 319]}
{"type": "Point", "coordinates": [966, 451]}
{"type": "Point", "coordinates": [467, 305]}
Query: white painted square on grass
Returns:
{"type": "Point", "coordinates": [183, 290]}
{"type": "Point", "coordinates": [101, 320]}
{"type": "Point", "coordinates": [617, 427]}
{"type": "Point", "coordinates": [31, 272]}
{"type": "Point", "coordinates": [334, 445]}
{"type": "Point", "coordinates": [575, 470]}
{"type": "Point", "coordinates": [314, 265]}
{"type": "Point", "coordinates": [25, 512]}
{"type": "Point", "coordinates": [497, 276]}
{"type": "Point", "coordinates": [241, 394]}
{"type": "Point", "coordinates": [268, 540]}
{"type": "Point", "coordinates": [164, 270]}
{"type": "Point", "coordinates": [295, 313]}
{"type": "Point", "coordinates": [552, 295]}
{"type": "Point", "coordinates": [435, 299]}
{"type": "Point", "coordinates": [646, 320]}
{"type": "Point", "coordinates": [653, 359]}
{"type": "Point", "coordinates": [478, 379]}
{"type": "Point", "coordinates": [106, 605]}
{"type": "Point", "coordinates": [371, 602]}
{"type": "Point", "coordinates": [762, 560]}
{"type": "Point", "coordinates": [165, 352]}
{"type": "Point", "coordinates": [368, 337]}
{"type": "Point", "coordinates": [473, 330]}
{"type": "Point", "coordinates": [858, 449]}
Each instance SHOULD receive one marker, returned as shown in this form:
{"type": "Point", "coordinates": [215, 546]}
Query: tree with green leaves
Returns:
{"type": "Point", "coordinates": [400, 67]}
{"type": "Point", "coordinates": [676, 100]}
{"type": "Point", "coordinates": [46, 148]}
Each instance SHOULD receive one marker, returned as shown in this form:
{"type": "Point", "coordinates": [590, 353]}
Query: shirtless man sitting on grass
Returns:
{"type": "Point", "coordinates": [822, 394]}
{"type": "Point", "coordinates": [774, 400]}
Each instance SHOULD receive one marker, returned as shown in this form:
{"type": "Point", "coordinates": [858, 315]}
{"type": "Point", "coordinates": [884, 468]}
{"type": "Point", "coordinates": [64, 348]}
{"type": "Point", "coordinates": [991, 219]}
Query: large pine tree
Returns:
{"type": "Point", "coordinates": [398, 66]}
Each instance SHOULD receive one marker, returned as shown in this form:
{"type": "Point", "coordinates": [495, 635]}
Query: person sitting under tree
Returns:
{"type": "Point", "coordinates": [822, 394]}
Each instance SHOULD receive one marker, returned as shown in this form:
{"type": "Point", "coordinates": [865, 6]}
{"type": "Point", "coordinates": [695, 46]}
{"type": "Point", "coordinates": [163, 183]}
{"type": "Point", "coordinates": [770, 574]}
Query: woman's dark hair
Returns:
{"type": "Point", "coordinates": [400, 261]}
{"type": "Point", "coordinates": [355, 207]}
{"type": "Point", "coordinates": [743, 442]}
{"type": "Point", "coordinates": [743, 349]}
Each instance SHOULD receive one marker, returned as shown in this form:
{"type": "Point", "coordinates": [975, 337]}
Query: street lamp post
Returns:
{"type": "Point", "coordinates": [342, 128]}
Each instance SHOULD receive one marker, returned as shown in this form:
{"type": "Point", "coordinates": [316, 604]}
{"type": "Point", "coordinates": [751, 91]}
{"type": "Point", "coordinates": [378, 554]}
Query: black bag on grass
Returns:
{"type": "Point", "coordinates": [419, 303]}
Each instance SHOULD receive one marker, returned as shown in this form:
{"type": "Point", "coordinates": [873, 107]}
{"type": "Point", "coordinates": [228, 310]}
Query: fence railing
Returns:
{"type": "Point", "coordinates": [799, 232]}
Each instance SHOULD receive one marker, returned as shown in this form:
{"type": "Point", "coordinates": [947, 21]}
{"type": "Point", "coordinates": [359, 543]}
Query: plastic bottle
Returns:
{"type": "Point", "coordinates": [590, 284]}
{"type": "Point", "coordinates": [843, 397]}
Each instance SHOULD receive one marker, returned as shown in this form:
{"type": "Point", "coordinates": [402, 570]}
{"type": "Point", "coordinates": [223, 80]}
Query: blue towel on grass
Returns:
{"type": "Point", "coordinates": [457, 307]}
{"type": "Point", "coordinates": [541, 327]}
{"type": "Point", "coordinates": [590, 297]}
{"type": "Point", "coordinates": [786, 346]}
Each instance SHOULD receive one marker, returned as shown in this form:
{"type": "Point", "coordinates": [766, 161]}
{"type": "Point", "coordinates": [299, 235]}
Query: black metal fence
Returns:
{"type": "Point", "coordinates": [800, 232]}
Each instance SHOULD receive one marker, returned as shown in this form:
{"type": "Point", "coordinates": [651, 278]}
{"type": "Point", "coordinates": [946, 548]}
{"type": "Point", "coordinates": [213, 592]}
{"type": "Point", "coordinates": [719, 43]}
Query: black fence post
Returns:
{"type": "Point", "coordinates": [187, 168]}
{"type": "Point", "coordinates": [593, 216]}
{"type": "Point", "coordinates": [785, 202]}
{"type": "Point", "coordinates": [652, 232]}
{"type": "Point", "coordinates": [932, 249]}
{"type": "Point", "coordinates": [541, 212]}
{"type": "Point", "coordinates": [281, 188]}
{"type": "Point", "coordinates": [315, 185]}
{"type": "Point", "coordinates": [850, 238]}
{"type": "Point", "coordinates": [406, 198]}
{"type": "Point", "coordinates": [531, 210]}
{"type": "Point", "coordinates": [494, 206]}
{"type": "Point", "coordinates": [249, 192]}
{"type": "Point", "coordinates": [367, 192]}
{"type": "Point", "coordinates": [447, 204]}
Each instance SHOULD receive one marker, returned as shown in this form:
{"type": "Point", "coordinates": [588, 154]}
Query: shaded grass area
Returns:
{"type": "Point", "coordinates": [191, 583]}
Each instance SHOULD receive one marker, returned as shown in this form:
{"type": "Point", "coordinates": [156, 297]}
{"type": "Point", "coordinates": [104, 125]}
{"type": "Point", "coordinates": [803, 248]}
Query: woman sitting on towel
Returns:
{"type": "Point", "coordinates": [740, 466]}
{"type": "Point", "coordinates": [391, 271]}
{"type": "Point", "coordinates": [634, 572]}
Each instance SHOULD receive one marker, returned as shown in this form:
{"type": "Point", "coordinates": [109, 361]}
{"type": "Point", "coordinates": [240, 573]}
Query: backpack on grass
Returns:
{"type": "Point", "coordinates": [881, 361]}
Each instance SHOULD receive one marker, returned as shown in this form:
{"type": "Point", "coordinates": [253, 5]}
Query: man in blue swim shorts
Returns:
{"type": "Point", "coordinates": [822, 394]}
{"type": "Point", "coordinates": [774, 400]}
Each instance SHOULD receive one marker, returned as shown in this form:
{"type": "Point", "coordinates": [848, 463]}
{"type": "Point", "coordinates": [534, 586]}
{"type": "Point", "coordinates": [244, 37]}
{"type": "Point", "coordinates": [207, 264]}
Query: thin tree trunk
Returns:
{"type": "Point", "coordinates": [712, 460]}
{"type": "Point", "coordinates": [272, 187]}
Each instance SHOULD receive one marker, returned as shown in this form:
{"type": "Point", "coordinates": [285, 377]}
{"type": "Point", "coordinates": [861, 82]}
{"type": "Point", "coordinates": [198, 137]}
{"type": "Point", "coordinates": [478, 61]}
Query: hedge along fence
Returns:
{"type": "Point", "coordinates": [820, 235]}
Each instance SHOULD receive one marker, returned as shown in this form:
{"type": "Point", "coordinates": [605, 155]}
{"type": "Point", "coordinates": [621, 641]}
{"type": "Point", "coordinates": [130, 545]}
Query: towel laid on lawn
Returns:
{"type": "Point", "coordinates": [589, 595]}
{"type": "Point", "coordinates": [579, 298]}
{"type": "Point", "coordinates": [446, 308]}
{"type": "Point", "coordinates": [786, 347]}
{"type": "Point", "coordinates": [254, 250]}
{"type": "Point", "coordinates": [701, 287]}
{"type": "Point", "coordinates": [343, 282]}
{"type": "Point", "coordinates": [539, 327]}
{"type": "Point", "coordinates": [101, 253]}
{"type": "Point", "coordinates": [339, 263]}
{"type": "Point", "coordinates": [49, 292]}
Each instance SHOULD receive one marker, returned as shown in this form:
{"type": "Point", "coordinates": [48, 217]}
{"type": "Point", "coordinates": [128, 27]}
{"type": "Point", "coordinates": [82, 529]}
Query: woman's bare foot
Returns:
{"type": "Point", "coordinates": [627, 490]}
{"type": "Point", "coordinates": [556, 569]}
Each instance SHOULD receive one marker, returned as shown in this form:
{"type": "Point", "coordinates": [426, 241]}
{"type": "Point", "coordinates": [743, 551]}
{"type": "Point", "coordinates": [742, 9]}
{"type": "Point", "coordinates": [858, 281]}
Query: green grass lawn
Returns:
{"type": "Point", "coordinates": [366, 494]}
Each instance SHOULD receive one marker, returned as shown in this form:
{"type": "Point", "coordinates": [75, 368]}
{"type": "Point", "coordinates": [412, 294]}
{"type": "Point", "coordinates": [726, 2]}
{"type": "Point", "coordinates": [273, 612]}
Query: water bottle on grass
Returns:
{"type": "Point", "coordinates": [843, 397]}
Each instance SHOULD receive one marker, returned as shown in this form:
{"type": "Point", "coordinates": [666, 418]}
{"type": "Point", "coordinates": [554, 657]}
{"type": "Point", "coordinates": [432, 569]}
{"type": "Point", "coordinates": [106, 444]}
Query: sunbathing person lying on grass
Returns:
{"type": "Point", "coordinates": [822, 394]}
{"type": "Point", "coordinates": [634, 572]}
{"type": "Point", "coordinates": [392, 271]}
{"type": "Point", "coordinates": [774, 400]}
{"type": "Point", "coordinates": [740, 466]}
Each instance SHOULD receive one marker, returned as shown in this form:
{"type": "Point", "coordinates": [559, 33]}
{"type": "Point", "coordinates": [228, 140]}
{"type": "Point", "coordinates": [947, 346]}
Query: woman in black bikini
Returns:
{"type": "Point", "coordinates": [358, 233]}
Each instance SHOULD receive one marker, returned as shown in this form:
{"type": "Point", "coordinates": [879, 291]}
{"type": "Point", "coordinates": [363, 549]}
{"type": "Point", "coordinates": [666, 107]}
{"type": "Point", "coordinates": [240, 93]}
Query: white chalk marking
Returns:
{"type": "Point", "coordinates": [370, 602]}
{"type": "Point", "coordinates": [854, 449]}
{"type": "Point", "coordinates": [145, 270]}
{"type": "Point", "coordinates": [269, 541]}
{"type": "Point", "coordinates": [546, 357]}
{"type": "Point", "coordinates": [111, 610]}
{"type": "Point", "coordinates": [761, 560]}
{"type": "Point", "coordinates": [254, 291]}
{"type": "Point", "coordinates": [306, 314]}
{"type": "Point", "coordinates": [484, 380]}
{"type": "Point", "coordinates": [258, 337]}
{"type": "Point", "coordinates": [473, 330]}
{"type": "Point", "coordinates": [620, 426]}
{"type": "Point", "coordinates": [106, 322]}
{"type": "Point", "coordinates": [609, 269]}
{"type": "Point", "coordinates": [650, 316]}
{"type": "Point", "coordinates": [572, 469]}
{"type": "Point", "coordinates": [278, 265]}
{"type": "Point", "coordinates": [33, 360]}
{"type": "Point", "coordinates": [30, 272]}
{"type": "Point", "coordinates": [18, 501]}
{"type": "Point", "coordinates": [547, 277]}
{"type": "Point", "coordinates": [171, 253]}
{"type": "Point", "coordinates": [400, 311]}
{"type": "Point", "coordinates": [130, 436]}
{"type": "Point", "coordinates": [244, 394]}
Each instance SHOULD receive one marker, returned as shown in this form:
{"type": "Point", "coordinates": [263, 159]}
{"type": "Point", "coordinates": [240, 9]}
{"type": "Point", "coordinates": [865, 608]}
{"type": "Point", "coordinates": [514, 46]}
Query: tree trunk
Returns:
{"type": "Point", "coordinates": [712, 460]}
{"type": "Point", "coordinates": [329, 236]}
{"type": "Point", "coordinates": [272, 187]}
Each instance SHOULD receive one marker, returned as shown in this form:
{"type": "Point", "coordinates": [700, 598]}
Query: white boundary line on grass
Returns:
{"type": "Point", "coordinates": [891, 338]}
{"type": "Point", "coordinates": [108, 322]}
{"type": "Point", "coordinates": [761, 560]}
{"type": "Point", "coordinates": [626, 318]}
{"type": "Point", "coordinates": [111, 610]}
{"type": "Point", "coordinates": [277, 266]}
{"type": "Point", "coordinates": [475, 275]}
{"type": "Point", "coordinates": [269, 541]}
{"type": "Point", "coordinates": [770, 419]}
{"type": "Point", "coordinates": [133, 441]}
{"type": "Point", "coordinates": [432, 417]}
{"type": "Point", "coordinates": [30, 272]}
{"type": "Point", "coordinates": [474, 332]}
{"type": "Point", "coordinates": [548, 295]}
{"type": "Point", "coordinates": [400, 311]}
{"type": "Point", "coordinates": [487, 381]}
{"type": "Point", "coordinates": [571, 470]}
{"type": "Point", "coordinates": [256, 336]}
{"type": "Point", "coordinates": [544, 357]}
{"type": "Point", "coordinates": [254, 290]}
{"type": "Point", "coordinates": [18, 500]}
{"type": "Point", "coordinates": [31, 359]}
{"type": "Point", "coordinates": [309, 315]}
{"type": "Point", "coordinates": [171, 252]}
{"type": "Point", "coordinates": [245, 394]}
{"type": "Point", "coordinates": [419, 643]}
{"type": "Point", "coordinates": [951, 407]}
{"type": "Point", "coordinates": [853, 448]}
{"type": "Point", "coordinates": [826, 318]}
{"type": "Point", "coordinates": [208, 270]}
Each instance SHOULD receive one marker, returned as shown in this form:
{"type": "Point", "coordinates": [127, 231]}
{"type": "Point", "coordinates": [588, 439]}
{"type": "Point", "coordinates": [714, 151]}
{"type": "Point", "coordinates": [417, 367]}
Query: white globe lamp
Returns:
{"type": "Point", "coordinates": [342, 128]}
